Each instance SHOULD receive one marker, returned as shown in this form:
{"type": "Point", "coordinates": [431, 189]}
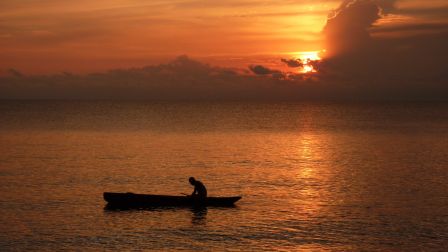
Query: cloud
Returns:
{"type": "Point", "coordinates": [181, 79]}
{"type": "Point", "coordinates": [293, 62]}
{"type": "Point", "coordinates": [430, 12]}
{"type": "Point", "coordinates": [15, 73]}
{"type": "Point", "coordinates": [387, 6]}
{"type": "Point", "coordinates": [389, 66]}
{"type": "Point", "coordinates": [186, 79]}
{"type": "Point", "coordinates": [262, 70]}
{"type": "Point", "coordinates": [412, 27]}
{"type": "Point", "coordinates": [347, 28]}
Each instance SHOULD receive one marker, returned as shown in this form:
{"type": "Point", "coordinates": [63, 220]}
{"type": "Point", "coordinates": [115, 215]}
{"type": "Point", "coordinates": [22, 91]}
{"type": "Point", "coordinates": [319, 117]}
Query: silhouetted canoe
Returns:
{"type": "Point", "coordinates": [132, 200]}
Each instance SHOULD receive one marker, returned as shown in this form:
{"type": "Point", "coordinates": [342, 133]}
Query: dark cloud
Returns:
{"type": "Point", "coordinates": [265, 71]}
{"type": "Point", "coordinates": [293, 62]}
{"type": "Point", "coordinates": [386, 6]}
{"type": "Point", "coordinates": [347, 28]}
{"type": "Point", "coordinates": [414, 27]}
{"type": "Point", "coordinates": [409, 64]}
{"type": "Point", "coordinates": [187, 79]}
{"type": "Point", "coordinates": [262, 70]}
{"type": "Point", "coordinates": [15, 73]}
{"type": "Point", "coordinates": [180, 79]}
{"type": "Point", "coordinates": [430, 12]}
{"type": "Point", "coordinates": [316, 64]}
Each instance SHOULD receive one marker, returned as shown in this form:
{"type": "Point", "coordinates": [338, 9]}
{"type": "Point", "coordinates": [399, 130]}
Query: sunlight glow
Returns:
{"type": "Point", "coordinates": [311, 55]}
{"type": "Point", "coordinates": [307, 58]}
{"type": "Point", "coordinates": [308, 69]}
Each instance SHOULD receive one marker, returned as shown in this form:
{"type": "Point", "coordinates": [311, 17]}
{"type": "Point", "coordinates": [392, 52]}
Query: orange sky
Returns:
{"type": "Point", "coordinates": [47, 36]}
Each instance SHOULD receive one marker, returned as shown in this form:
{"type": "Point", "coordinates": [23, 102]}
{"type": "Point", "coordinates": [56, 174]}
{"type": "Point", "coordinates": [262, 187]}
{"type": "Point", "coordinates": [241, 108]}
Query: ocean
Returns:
{"type": "Point", "coordinates": [314, 176]}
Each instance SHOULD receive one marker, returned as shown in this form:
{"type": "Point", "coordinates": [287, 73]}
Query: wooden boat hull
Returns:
{"type": "Point", "coordinates": [133, 200]}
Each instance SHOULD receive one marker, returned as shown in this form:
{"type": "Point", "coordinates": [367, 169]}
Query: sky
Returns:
{"type": "Point", "coordinates": [233, 49]}
{"type": "Point", "coordinates": [85, 36]}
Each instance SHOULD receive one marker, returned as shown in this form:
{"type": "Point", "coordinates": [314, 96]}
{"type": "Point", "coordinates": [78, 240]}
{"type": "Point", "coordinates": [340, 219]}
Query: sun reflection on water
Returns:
{"type": "Point", "coordinates": [311, 174]}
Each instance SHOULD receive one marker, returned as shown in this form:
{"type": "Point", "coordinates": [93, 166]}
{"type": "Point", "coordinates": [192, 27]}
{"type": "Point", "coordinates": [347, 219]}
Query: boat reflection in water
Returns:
{"type": "Point", "coordinates": [198, 213]}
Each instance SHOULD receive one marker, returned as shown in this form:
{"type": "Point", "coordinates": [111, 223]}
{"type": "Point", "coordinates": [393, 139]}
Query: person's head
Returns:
{"type": "Point", "coordinates": [192, 180]}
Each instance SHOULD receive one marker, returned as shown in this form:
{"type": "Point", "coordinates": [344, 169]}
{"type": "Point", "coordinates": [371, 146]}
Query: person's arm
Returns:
{"type": "Point", "coordinates": [194, 191]}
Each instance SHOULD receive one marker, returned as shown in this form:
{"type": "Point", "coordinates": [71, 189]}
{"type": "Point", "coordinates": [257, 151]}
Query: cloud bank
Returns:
{"type": "Point", "coordinates": [185, 79]}
{"type": "Point", "coordinates": [181, 79]}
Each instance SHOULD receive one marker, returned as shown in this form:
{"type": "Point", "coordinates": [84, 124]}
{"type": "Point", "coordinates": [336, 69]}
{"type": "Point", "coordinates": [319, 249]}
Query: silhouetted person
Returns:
{"type": "Point", "coordinates": [200, 191]}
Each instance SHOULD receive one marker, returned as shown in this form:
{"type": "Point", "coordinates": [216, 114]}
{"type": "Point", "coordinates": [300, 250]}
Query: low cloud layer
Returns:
{"type": "Point", "coordinates": [181, 79]}
{"type": "Point", "coordinates": [186, 79]}
{"type": "Point", "coordinates": [293, 62]}
{"type": "Point", "coordinates": [262, 70]}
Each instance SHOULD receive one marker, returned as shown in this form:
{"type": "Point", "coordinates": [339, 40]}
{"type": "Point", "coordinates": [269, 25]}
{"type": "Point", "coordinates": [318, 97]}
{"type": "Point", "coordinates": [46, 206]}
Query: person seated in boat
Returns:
{"type": "Point", "coordinates": [199, 189]}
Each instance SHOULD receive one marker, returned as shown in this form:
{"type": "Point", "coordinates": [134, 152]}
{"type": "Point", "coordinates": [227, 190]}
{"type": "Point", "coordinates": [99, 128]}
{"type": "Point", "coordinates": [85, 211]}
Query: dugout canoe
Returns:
{"type": "Point", "coordinates": [134, 200]}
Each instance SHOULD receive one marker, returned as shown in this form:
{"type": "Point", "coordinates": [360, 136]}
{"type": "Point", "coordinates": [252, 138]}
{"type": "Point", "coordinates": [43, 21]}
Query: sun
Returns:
{"type": "Point", "coordinates": [311, 55]}
{"type": "Point", "coordinates": [308, 69]}
{"type": "Point", "coordinates": [307, 58]}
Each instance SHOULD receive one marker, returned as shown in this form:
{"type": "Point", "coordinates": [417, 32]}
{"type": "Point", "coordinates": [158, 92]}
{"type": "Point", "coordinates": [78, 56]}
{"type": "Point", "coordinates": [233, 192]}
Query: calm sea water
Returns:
{"type": "Point", "coordinates": [313, 176]}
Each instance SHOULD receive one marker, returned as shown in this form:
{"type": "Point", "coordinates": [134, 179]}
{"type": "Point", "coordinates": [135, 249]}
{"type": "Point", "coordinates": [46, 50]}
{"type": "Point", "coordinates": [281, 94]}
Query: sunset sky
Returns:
{"type": "Point", "coordinates": [263, 37]}
{"type": "Point", "coordinates": [55, 35]}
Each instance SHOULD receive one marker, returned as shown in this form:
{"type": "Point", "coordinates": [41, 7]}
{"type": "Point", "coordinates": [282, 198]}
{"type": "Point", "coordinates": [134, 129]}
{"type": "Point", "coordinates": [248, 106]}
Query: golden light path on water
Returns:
{"type": "Point", "coordinates": [309, 149]}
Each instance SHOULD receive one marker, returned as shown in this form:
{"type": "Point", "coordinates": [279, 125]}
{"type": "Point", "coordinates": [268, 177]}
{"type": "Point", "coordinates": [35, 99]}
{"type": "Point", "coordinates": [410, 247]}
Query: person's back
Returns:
{"type": "Point", "coordinates": [199, 189]}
